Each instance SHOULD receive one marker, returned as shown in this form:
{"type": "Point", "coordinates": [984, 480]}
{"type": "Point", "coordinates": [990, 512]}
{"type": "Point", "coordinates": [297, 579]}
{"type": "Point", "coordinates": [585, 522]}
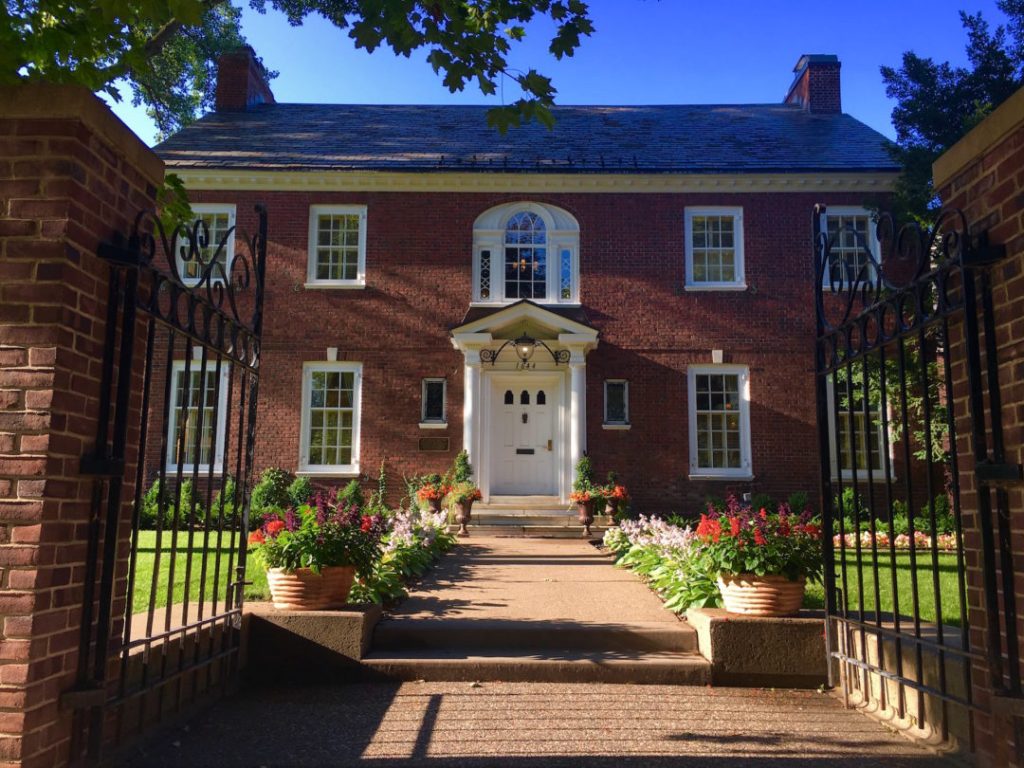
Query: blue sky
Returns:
{"type": "Point", "coordinates": [643, 52]}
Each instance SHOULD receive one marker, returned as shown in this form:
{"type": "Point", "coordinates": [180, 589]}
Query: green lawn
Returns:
{"type": "Point", "coordinates": [948, 588]}
{"type": "Point", "coordinates": [146, 560]}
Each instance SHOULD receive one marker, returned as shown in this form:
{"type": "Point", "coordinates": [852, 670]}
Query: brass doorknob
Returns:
{"type": "Point", "coordinates": [549, 445]}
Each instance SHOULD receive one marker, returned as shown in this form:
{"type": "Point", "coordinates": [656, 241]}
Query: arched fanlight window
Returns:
{"type": "Point", "coordinates": [542, 399]}
{"type": "Point", "coordinates": [509, 397]}
{"type": "Point", "coordinates": [526, 251]}
{"type": "Point", "coordinates": [524, 398]}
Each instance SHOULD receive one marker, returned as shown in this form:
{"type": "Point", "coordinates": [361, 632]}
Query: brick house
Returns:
{"type": "Point", "coordinates": [657, 259]}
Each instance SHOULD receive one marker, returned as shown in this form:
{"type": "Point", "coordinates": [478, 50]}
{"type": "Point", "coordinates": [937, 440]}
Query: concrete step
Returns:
{"type": "Point", "coordinates": [533, 531]}
{"type": "Point", "coordinates": [483, 517]}
{"type": "Point", "coordinates": [513, 665]}
{"type": "Point", "coordinates": [405, 634]}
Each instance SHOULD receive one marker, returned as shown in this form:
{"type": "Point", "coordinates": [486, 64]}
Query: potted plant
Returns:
{"type": "Point", "coordinates": [463, 492]}
{"type": "Point", "coordinates": [762, 560]}
{"type": "Point", "coordinates": [616, 496]}
{"type": "Point", "coordinates": [312, 553]}
{"type": "Point", "coordinates": [432, 493]}
{"type": "Point", "coordinates": [585, 495]}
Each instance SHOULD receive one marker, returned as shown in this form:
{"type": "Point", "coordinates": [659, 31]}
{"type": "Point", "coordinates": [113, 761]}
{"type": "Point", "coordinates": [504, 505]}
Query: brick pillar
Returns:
{"type": "Point", "coordinates": [983, 174]}
{"type": "Point", "coordinates": [71, 174]}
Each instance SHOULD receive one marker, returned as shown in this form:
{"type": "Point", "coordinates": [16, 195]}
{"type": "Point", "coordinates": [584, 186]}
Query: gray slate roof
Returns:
{"type": "Point", "coordinates": [755, 138]}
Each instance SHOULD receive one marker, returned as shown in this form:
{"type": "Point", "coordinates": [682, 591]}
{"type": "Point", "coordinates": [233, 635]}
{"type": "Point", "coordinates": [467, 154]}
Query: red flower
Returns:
{"type": "Point", "coordinates": [274, 527]}
{"type": "Point", "coordinates": [759, 538]}
{"type": "Point", "coordinates": [366, 524]}
{"type": "Point", "coordinates": [709, 529]}
{"type": "Point", "coordinates": [783, 526]}
{"type": "Point", "coordinates": [812, 530]}
{"type": "Point", "coordinates": [257, 537]}
{"type": "Point", "coordinates": [763, 513]}
{"type": "Point", "coordinates": [734, 526]}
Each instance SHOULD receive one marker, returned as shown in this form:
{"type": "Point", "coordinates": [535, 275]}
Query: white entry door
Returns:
{"type": "Point", "coordinates": [524, 451]}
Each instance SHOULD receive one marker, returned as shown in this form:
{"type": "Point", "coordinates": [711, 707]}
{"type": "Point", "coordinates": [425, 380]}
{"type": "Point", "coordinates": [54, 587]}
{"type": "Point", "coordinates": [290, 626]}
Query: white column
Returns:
{"type": "Point", "coordinates": [471, 407]}
{"type": "Point", "coordinates": [577, 407]}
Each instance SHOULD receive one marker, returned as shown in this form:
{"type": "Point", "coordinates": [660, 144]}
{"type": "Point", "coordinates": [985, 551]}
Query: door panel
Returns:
{"type": "Point", "coordinates": [525, 443]}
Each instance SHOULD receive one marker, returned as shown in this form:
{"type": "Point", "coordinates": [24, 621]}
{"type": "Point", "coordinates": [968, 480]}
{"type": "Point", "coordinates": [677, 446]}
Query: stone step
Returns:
{"type": "Point", "coordinates": [513, 665]}
{"type": "Point", "coordinates": [501, 518]}
{"type": "Point", "coordinates": [401, 634]}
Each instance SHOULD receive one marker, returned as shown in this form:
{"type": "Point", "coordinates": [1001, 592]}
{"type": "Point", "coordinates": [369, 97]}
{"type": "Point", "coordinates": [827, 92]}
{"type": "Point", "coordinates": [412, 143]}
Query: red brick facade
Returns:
{"type": "Point", "coordinates": [984, 176]}
{"type": "Point", "coordinates": [419, 275]}
{"type": "Point", "coordinates": [817, 87]}
{"type": "Point", "coordinates": [70, 175]}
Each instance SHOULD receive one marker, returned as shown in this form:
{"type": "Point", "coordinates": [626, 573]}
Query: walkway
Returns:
{"type": "Point", "coordinates": [530, 725]}
{"type": "Point", "coordinates": [536, 606]}
{"type": "Point", "coordinates": [535, 610]}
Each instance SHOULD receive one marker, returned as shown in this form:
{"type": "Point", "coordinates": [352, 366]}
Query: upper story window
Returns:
{"type": "Point", "coordinates": [714, 249]}
{"type": "Point", "coordinates": [195, 429]}
{"type": "Point", "coordinates": [337, 246]}
{"type": "Point", "coordinates": [218, 221]}
{"type": "Point", "coordinates": [852, 235]}
{"type": "Point", "coordinates": [861, 435]}
{"type": "Point", "coordinates": [526, 251]}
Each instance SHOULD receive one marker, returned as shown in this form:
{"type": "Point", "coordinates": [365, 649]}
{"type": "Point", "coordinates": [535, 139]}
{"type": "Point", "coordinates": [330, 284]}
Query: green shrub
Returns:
{"type": "Point", "coordinates": [798, 501]}
{"type": "Point", "coordinates": [149, 510]}
{"type": "Point", "coordinates": [351, 494]}
{"type": "Point", "coordinates": [271, 492]}
{"type": "Point", "coordinates": [462, 471]}
{"type": "Point", "coordinates": [584, 480]}
{"type": "Point", "coordinates": [226, 495]}
{"type": "Point", "coordinates": [762, 501]}
{"type": "Point", "coordinates": [300, 491]}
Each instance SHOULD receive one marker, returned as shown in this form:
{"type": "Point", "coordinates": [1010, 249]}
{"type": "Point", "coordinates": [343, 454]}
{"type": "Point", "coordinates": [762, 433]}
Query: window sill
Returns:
{"type": "Point", "coordinates": [433, 425]}
{"type": "Point", "coordinates": [616, 427]}
{"type": "Point", "coordinates": [699, 476]}
{"type": "Point", "coordinates": [509, 302]}
{"type": "Point", "coordinates": [697, 288]}
{"type": "Point", "coordinates": [339, 472]}
{"type": "Point", "coordinates": [326, 285]}
{"type": "Point", "coordinates": [201, 472]}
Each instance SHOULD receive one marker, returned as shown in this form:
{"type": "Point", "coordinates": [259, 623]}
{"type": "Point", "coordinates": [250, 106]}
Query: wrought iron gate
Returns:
{"type": "Point", "coordinates": [180, 376]}
{"type": "Point", "coordinates": [908, 397]}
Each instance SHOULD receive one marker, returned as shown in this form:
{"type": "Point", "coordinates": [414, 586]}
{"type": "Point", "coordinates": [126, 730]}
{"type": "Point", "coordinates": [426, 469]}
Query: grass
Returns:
{"type": "Point", "coordinates": [949, 594]}
{"type": "Point", "coordinates": [145, 563]}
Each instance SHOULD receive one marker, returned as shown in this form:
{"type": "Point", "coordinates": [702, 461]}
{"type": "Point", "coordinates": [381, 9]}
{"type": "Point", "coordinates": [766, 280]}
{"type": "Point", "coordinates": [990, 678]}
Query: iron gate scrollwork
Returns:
{"type": "Point", "coordinates": [904, 321]}
{"type": "Point", "coordinates": [177, 416]}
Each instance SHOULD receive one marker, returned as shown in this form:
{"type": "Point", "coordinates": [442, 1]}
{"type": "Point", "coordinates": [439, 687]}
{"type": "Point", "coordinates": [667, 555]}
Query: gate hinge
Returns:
{"type": "Point", "coordinates": [999, 475]}
{"type": "Point", "coordinates": [982, 253]}
{"type": "Point", "coordinates": [100, 466]}
{"type": "Point", "coordinates": [86, 697]}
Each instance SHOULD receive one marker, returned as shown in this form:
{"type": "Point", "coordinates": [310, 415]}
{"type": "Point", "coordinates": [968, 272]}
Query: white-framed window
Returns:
{"type": "Point", "coordinates": [719, 421]}
{"type": "Point", "coordinates": [219, 221]}
{"type": "Point", "coordinates": [526, 251]}
{"type": "Point", "coordinates": [198, 409]}
{"type": "Point", "coordinates": [616, 403]}
{"type": "Point", "coordinates": [331, 406]}
{"type": "Point", "coordinates": [433, 411]}
{"type": "Point", "coordinates": [714, 248]}
{"type": "Point", "coordinates": [850, 229]}
{"type": "Point", "coordinates": [337, 246]}
{"type": "Point", "coordinates": [869, 451]}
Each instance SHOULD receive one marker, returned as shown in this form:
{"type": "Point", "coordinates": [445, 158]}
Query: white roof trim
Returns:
{"type": "Point", "coordinates": [525, 310]}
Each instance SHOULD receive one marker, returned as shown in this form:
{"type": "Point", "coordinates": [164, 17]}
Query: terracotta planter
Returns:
{"type": "Point", "coordinates": [463, 513]}
{"type": "Point", "coordinates": [609, 509]}
{"type": "Point", "coordinates": [304, 590]}
{"type": "Point", "coordinates": [752, 595]}
{"type": "Point", "coordinates": [585, 514]}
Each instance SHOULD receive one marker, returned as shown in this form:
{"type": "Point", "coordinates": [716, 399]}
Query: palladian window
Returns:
{"type": "Point", "coordinates": [526, 251]}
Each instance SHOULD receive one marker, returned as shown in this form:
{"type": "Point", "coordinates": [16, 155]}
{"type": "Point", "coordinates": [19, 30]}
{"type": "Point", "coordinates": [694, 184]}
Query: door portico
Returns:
{"type": "Point", "coordinates": [519, 446]}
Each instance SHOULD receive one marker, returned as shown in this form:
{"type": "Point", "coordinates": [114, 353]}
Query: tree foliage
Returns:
{"type": "Point", "coordinates": [166, 50]}
{"type": "Point", "coordinates": [937, 103]}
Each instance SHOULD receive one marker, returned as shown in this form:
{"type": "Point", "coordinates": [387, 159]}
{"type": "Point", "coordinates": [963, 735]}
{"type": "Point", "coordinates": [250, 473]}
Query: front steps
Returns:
{"type": "Point", "coordinates": [484, 650]}
{"type": "Point", "coordinates": [530, 516]}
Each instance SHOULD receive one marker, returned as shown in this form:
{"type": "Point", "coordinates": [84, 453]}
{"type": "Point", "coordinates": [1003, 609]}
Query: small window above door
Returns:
{"type": "Point", "coordinates": [542, 399]}
{"type": "Point", "coordinates": [524, 398]}
{"type": "Point", "coordinates": [510, 399]}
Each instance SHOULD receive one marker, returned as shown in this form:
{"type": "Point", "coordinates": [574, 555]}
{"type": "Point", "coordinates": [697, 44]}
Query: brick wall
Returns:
{"type": "Point", "coordinates": [984, 176]}
{"type": "Point", "coordinates": [632, 272]}
{"type": "Point", "coordinates": [817, 86]}
{"type": "Point", "coordinates": [70, 174]}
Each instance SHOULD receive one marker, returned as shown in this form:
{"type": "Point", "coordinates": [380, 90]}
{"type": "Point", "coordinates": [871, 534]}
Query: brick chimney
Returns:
{"type": "Point", "coordinates": [816, 85]}
{"type": "Point", "coordinates": [240, 81]}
